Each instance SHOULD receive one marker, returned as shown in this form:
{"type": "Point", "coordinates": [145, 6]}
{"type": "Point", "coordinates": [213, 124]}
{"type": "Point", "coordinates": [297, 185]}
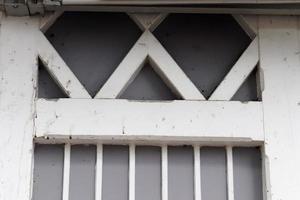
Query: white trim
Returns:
{"type": "Point", "coordinates": [122, 118]}
{"type": "Point", "coordinates": [59, 70]}
{"type": "Point", "coordinates": [197, 173]}
{"type": "Point", "coordinates": [148, 21]}
{"type": "Point", "coordinates": [131, 172]}
{"type": "Point", "coordinates": [164, 173]}
{"type": "Point", "coordinates": [238, 73]}
{"type": "Point", "coordinates": [249, 23]}
{"type": "Point", "coordinates": [49, 19]}
{"type": "Point", "coordinates": [99, 166]}
{"type": "Point", "coordinates": [230, 185]}
{"type": "Point", "coordinates": [66, 176]}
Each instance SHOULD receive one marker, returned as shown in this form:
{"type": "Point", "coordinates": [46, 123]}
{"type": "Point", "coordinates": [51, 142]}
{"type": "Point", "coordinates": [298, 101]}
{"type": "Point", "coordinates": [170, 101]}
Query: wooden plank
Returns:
{"type": "Point", "coordinates": [280, 64]}
{"type": "Point", "coordinates": [66, 177]}
{"type": "Point", "coordinates": [249, 23]}
{"type": "Point", "coordinates": [49, 19]}
{"type": "Point", "coordinates": [59, 70]}
{"type": "Point", "coordinates": [126, 71]}
{"type": "Point", "coordinates": [131, 172]}
{"type": "Point", "coordinates": [100, 118]}
{"type": "Point", "coordinates": [164, 172]}
{"type": "Point", "coordinates": [238, 73]}
{"type": "Point", "coordinates": [18, 71]}
{"type": "Point", "coordinates": [230, 184]}
{"type": "Point", "coordinates": [99, 166]}
{"type": "Point", "coordinates": [170, 72]}
{"type": "Point", "coordinates": [197, 173]}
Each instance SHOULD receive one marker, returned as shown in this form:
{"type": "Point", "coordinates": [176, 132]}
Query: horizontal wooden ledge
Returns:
{"type": "Point", "coordinates": [103, 118]}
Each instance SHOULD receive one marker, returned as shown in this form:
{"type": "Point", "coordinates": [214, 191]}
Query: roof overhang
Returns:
{"type": "Point", "coordinates": [270, 7]}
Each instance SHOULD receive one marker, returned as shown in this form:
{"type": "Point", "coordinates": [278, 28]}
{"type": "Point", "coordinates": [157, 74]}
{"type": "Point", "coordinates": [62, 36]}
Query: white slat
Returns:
{"type": "Point", "coordinates": [126, 71]}
{"type": "Point", "coordinates": [238, 73]}
{"type": "Point", "coordinates": [59, 70]}
{"type": "Point", "coordinates": [119, 118]}
{"type": "Point", "coordinates": [172, 74]}
{"type": "Point", "coordinates": [197, 173]}
{"type": "Point", "coordinates": [164, 173]}
{"type": "Point", "coordinates": [230, 186]}
{"type": "Point", "coordinates": [132, 172]}
{"type": "Point", "coordinates": [99, 165]}
{"type": "Point", "coordinates": [249, 23]}
{"type": "Point", "coordinates": [66, 177]}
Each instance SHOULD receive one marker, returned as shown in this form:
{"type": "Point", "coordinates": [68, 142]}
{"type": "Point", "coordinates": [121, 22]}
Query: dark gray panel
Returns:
{"type": "Point", "coordinates": [205, 46]}
{"type": "Point", "coordinates": [47, 87]}
{"type": "Point", "coordinates": [248, 90]}
{"type": "Point", "coordinates": [82, 172]}
{"type": "Point", "coordinates": [213, 173]}
{"type": "Point", "coordinates": [115, 173]}
{"type": "Point", "coordinates": [247, 173]}
{"type": "Point", "coordinates": [48, 172]}
{"type": "Point", "coordinates": [93, 44]}
{"type": "Point", "coordinates": [148, 86]}
{"type": "Point", "coordinates": [181, 173]}
{"type": "Point", "coordinates": [148, 173]}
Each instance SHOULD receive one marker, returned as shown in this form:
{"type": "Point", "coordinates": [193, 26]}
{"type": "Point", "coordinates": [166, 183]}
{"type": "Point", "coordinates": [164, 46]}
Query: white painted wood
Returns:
{"type": "Point", "coordinates": [131, 172]}
{"type": "Point", "coordinates": [126, 71]}
{"type": "Point", "coordinates": [164, 173]}
{"type": "Point", "coordinates": [49, 19]}
{"type": "Point", "coordinates": [59, 70]}
{"type": "Point", "coordinates": [238, 73]}
{"type": "Point", "coordinates": [170, 72]}
{"type": "Point", "coordinates": [99, 167]}
{"type": "Point", "coordinates": [215, 120]}
{"type": "Point", "coordinates": [249, 23]}
{"type": "Point", "coordinates": [18, 70]}
{"type": "Point", "coordinates": [66, 177]}
{"type": "Point", "coordinates": [230, 185]}
{"type": "Point", "coordinates": [148, 21]}
{"type": "Point", "coordinates": [149, 47]}
{"type": "Point", "coordinates": [197, 173]}
{"type": "Point", "coordinates": [280, 63]}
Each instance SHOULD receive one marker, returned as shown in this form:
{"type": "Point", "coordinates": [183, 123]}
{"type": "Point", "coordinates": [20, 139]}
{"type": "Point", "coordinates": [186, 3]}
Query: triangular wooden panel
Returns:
{"type": "Point", "coordinates": [148, 86]}
{"type": "Point", "coordinates": [248, 90]}
{"type": "Point", "coordinates": [47, 87]}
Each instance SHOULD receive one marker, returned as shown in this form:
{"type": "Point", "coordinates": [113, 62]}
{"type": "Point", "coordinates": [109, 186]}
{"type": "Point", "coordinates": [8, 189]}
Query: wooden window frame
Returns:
{"type": "Point", "coordinates": [273, 123]}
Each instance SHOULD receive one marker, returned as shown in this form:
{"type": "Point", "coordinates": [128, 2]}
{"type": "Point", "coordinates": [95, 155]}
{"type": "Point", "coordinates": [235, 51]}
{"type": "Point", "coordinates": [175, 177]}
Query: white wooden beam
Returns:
{"type": "Point", "coordinates": [18, 71]}
{"type": "Point", "coordinates": [164, 173]}
{"type": "Point", "coordinates": [170, 72]}
{"type": "Point", "coordinates": [99, 167]}
{"type": "Point", "coordinates": [131, 172]}
{"type": "Point", "coordinates": [280, 63]}
{"type": "Point", "coordinates": [126, 71]}
{"type": "Point", "coordinates": [59, 70]}
{"type": "Point", "coordinates": [148, 21]}
{"type": "Point", "coordinates": [66, 176]}
{"type": "Point", "coordinates": [120, 118]}
{"type": "Point", "coordinates": [249, 23]}
{"type": "Point", "coordinates": [230, 184]}
{"type": "Point", "coordinates": [238, 73]}
{"type": "Point", "coordinates": [49, 19]}
{"type": "Point", "coordinates": [197, 173]}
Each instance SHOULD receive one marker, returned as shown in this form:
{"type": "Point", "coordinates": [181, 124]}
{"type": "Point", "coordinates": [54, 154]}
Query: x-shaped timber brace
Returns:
{"type": "Point", "coordinates": [192, 120]}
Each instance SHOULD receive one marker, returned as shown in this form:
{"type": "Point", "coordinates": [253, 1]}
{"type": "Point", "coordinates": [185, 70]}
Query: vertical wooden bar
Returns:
{"type": "Point", "coordinates": [164, 166]}
{"type": "Point", "coordinates": [66, 177]}
{"type": "Point", "coordinates": [230, 186]}
{"type": "Point", "coordinates": [197, 173]}
{"type": "Point", "coordinates": [18, 72]}
{"type": "Point", "coordinates": [280, 64]}
{"type": "Point", "coordinates": [132, 172]}
{"type": "Point", "coordinates": [99, 164]}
